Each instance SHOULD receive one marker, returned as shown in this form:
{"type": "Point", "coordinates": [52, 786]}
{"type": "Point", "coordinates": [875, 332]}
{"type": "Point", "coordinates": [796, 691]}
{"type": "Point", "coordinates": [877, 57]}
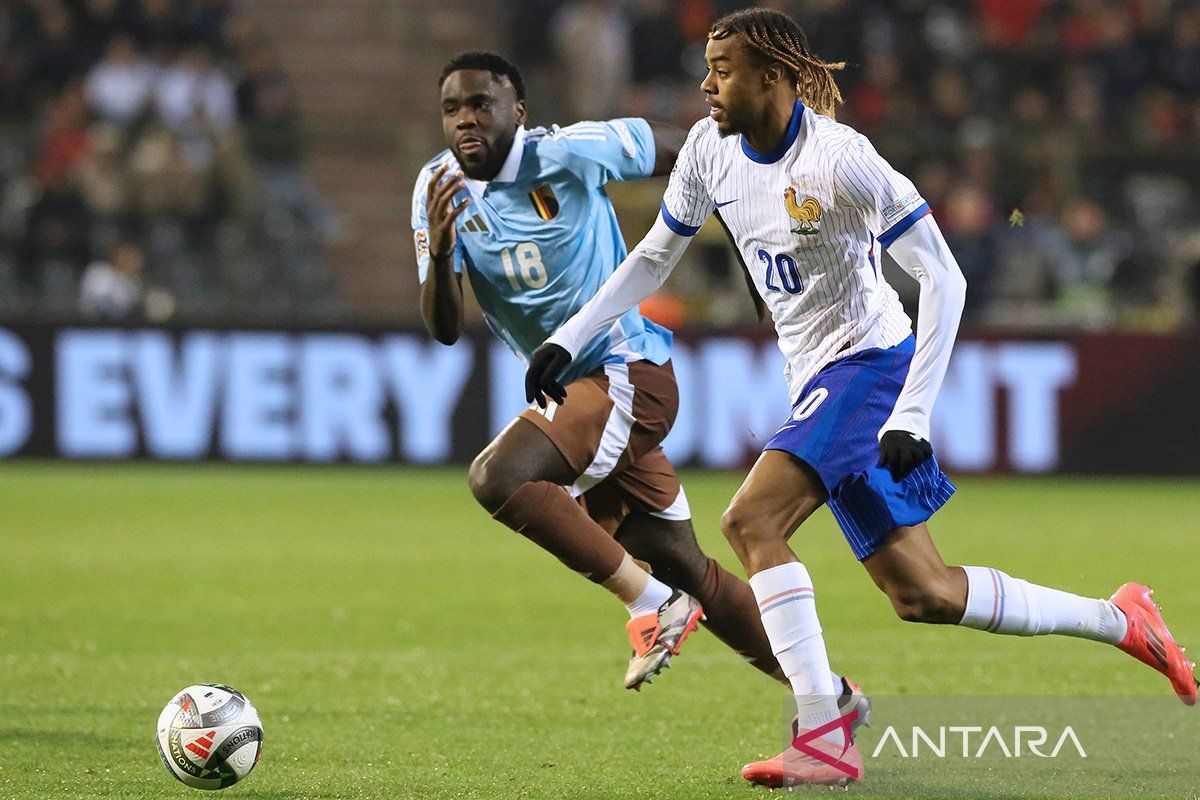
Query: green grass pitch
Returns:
{"type": "Point", "coordinates": [398, 643]}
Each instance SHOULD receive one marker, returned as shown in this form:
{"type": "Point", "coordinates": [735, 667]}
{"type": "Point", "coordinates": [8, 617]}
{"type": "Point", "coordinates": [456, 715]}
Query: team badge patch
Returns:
{"type": "Point", "coordinates": [421, 241]}
{"type": "Point", "coordinates": [898, 210]}
{"type": "Point", "coordinates": [544, 202]}
{"type": "Point", "coordinates": [807, 212]}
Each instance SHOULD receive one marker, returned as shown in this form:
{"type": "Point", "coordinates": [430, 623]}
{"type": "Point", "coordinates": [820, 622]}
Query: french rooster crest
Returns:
{"type": "Point", "coordinates": [807, 213]}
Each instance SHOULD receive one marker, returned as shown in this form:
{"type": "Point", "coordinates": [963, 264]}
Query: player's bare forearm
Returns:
{"type": "Point", "coordinates": [442, 301]}
{"type": "Point", "coordinates": [441, 294]}
{"type": "Point", "coordinates": [667, 142]}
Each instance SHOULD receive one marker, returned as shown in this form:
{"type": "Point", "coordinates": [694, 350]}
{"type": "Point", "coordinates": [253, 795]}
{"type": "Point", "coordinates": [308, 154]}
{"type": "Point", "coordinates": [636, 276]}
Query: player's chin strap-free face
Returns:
{"type": "Point", "coordinates": [477, 105]}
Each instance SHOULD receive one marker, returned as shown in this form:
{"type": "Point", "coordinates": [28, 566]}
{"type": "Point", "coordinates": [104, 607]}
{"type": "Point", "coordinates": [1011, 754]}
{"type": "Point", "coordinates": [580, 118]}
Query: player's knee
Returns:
{"type": "Point", "coordinates": [934, 604]}
{"type": "Point", "coordinates": [490, 484]}
{"type": "Point", "coordinates": [743, 529]}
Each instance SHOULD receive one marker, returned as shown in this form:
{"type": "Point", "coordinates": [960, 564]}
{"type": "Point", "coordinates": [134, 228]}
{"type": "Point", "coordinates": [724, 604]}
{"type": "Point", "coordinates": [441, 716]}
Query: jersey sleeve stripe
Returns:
{"type": "Point", "coordinates": [891, 234]}
{"type": "Point", "coordinates": [676, 225]}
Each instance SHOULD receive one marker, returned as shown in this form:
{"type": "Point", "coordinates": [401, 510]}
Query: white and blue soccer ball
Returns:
{"type": "Point", "coordinates": [209, 736]}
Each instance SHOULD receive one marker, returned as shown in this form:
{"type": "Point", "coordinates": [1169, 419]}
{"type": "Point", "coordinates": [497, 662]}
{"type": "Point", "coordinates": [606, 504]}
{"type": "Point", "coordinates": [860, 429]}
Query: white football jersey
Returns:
{"type": "Point", "coordinates": [810, 220]}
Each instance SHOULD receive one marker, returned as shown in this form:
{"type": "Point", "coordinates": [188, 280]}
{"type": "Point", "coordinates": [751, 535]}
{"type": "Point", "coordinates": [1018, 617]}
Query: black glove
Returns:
{"type": "Point", "coordinates": [901, 452]}
{"type": "Point", "coordinates": [545, 365]}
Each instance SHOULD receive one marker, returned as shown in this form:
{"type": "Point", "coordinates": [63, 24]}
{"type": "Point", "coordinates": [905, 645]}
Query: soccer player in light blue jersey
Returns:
{"type": "Point", "coordinates": [523, 214]}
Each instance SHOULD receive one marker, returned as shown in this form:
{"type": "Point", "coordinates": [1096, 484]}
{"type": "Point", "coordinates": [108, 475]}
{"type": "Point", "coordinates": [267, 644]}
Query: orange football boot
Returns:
{"type": "Point", "coordinates": [1148, 640]}
{"type": "Point", "coordinates": [824, 764]}
{"type": "Point", "coordinates": [656, 637]}
{"type": "Point", "coordinates": [812, 760]}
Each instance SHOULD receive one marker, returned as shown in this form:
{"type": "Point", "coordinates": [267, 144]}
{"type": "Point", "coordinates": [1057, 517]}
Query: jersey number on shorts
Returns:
{"type": "Point", "coordinates": [781, 270]}
{"type": "Point", "coordinates": [529, 272]}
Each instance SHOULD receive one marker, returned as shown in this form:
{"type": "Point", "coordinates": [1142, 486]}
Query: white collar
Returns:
{"type": "Point", "coordinates": [512, 162]}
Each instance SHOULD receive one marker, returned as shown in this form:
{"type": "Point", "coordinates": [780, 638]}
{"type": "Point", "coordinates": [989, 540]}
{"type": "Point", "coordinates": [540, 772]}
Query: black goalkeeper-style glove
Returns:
{"type": "Point", "coordinates": [901, 452]}
{"type": "Point", "coordinates": [541, 378]}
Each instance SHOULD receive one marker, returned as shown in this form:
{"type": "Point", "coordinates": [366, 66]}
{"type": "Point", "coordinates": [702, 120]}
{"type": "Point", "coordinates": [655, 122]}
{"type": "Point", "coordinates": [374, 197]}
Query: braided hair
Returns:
{"type": "Point", "coordinates": [775, 37]}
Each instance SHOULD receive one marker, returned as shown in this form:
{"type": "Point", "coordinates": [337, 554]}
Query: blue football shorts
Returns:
{"type": "Point", "coordinates": [834, 429]}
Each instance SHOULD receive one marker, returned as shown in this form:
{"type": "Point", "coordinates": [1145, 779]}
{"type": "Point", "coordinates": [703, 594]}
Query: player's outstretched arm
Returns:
{"type": "Point", "coordinates": [640, 275]}
{"type": "Point", "coordinates": [923, 253]}
{"type": "Point", "coordinates": [441, 293]}
{"type": "Point", "coordinates": [668, 140]}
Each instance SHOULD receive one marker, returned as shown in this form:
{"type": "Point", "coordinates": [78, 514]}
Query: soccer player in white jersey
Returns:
{"type": "Point", "coordinates": [811, 204]}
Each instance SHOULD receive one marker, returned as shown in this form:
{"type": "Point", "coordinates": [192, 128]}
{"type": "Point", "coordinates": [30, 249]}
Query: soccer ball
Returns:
{"type": "Point", "coordinates": [209, 736]}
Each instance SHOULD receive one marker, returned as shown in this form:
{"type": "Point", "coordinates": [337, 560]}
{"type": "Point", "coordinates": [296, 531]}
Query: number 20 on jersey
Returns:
{"type": "Point", "coordinates": [782, 273]}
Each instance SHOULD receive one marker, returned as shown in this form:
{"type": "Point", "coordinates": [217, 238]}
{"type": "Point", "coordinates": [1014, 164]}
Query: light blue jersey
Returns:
{"type": "Point", "coordinates": [540, 239]}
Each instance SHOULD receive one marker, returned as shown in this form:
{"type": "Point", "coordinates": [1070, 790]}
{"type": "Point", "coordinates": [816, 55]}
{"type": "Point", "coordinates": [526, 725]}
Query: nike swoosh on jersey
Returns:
{"type": "Point", "coordinates": [727, 202]}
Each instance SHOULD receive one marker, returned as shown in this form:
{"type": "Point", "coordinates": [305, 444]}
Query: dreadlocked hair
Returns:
{"type": "Point", "coordinates": [775, 37]}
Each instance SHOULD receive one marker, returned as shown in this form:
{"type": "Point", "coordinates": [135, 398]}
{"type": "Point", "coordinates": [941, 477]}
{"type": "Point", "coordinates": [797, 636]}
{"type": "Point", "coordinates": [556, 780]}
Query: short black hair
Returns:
{"type": "Point", "coordinates": [497, 65]}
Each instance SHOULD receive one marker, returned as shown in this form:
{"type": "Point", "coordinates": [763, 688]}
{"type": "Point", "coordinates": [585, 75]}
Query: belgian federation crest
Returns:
{"type": "Point", "coordinates": [806, 212]}
{"type": "Point", "coordinates": [544, 202]}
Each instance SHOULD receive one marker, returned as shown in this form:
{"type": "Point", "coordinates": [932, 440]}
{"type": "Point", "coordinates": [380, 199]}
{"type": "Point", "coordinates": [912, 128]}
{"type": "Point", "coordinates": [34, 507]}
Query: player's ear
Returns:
{"type": "Point", "coordinates": [520, 112]}
{"type": "Point", "coordinates": [773, 74]}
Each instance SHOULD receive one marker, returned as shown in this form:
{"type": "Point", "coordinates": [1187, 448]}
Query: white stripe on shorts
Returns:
{"type": "Point", "coordinates": [679, 510]}
{"type": "Point", "coordinates": [615, 438]}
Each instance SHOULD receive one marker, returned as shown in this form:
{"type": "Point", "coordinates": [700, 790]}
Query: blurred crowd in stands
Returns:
{"type": "Point", "coordinates": [1058, 141]}
{"type": "Point", "coordinates": [150, 165]}
{"type": "Point", "coordinates": [151, 151]}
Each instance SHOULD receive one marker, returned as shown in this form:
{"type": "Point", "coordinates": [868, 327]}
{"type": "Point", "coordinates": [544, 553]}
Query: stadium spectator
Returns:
{"type": "Point", "coordinates": [112, 288]}
{"type": "Point", "coordinates": [120, 86]}
{"type": "Point", "coordinates": [267, 108]}
{"type": "Point", "coordinates": [18, 37]}
{"type": "Point", "coordinates": [194, 94]}
{"type": "Point", "coordinates": [1009, 26]}
{"type": "Point", "coordinates": [102, 180]}
{"type": "Point", "coordinates": [969, 220]}
{"type": "Point", "coordinates": [657, 42]}
{"type": "Point", "coordinates": [55, 53]}
{"type": "Point", "coordinates": [1178, 61]}
{"type": "Point", "coordinates": [55, 245]}
{"type": "Point", "coordinates": [161, 26]}
{"type": "Point", "coordinates": [592, 39]}
{"type": "Point", "coordinates": [99, 21]}
{"type": "Point", "coordinates": [65, 137]}
{"type": "Point", "coordinates": [1096, 251]}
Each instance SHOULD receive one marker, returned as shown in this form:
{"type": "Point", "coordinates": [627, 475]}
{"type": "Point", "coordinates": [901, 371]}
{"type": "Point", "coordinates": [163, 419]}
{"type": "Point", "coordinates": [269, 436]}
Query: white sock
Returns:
{"type": "Point", "coordinates": [789, 614]}
{"type": "Point", "coordinates": [639, 591]}
{"type": "Point", "coordinates": [650, 600]}
{"type": "Point", "coordinates": [999, 603]}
